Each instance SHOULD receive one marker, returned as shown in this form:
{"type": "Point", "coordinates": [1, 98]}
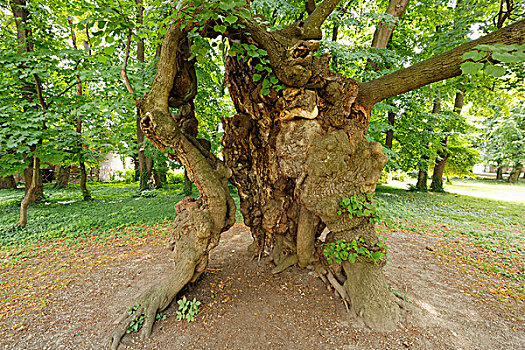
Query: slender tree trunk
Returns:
{"type": "Point", "coordinates": [422, 177]}
{"type": "Point", "coordinates": [443, 155]}
{"type": "Point", "coordinates": [7, 182]}
{"type": "Point", "coordinates": [499, 173]}
{"type": "Point", "coordinates": [30, 193]}
{"type": "Point", "coordinates": [515, 173]}
{"type": "Point", "coordinates": [187, 184]}
{"type": "Point", "coordinates": [81, 164]}
{"type": "Point", "coordinates": [145, 163]}
{"type": "Point", "coordinates": [30, 176]}
{"type": "Point", "coordinates": [439, 168]}
{"type": "Point", "coordinates": [157, 177]}
{"type": "Point", "coordinates": [62, 179]}
{"type": "Point", "coordinates": [390, 132]}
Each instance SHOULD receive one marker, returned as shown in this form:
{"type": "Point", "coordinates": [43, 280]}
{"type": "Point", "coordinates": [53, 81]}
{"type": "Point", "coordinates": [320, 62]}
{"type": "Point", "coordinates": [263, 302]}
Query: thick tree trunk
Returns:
{"type": "Point", "coordinates": [499, 173]}
{"type": "Point", "coordinates": [515, 173]}
{"type": "Point", "coordinates": [31, 177]}
{"type": "Point", "coordinates": [294, 156]}
{"type": "Point", "coordinates": [7, 182]}
{"type": "Point", "coordinates": [422, 176]}
{"type": "Point", "coordinates": [62, 178]}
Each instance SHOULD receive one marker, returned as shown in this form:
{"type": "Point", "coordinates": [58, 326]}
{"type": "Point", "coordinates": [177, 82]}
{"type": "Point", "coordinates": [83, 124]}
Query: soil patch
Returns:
{"type": "Point", "coordinates": [67, 298]}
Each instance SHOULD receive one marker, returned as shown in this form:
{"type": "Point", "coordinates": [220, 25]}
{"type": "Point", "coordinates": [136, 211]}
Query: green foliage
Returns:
{"type": "Point", "coordinates": [175, 177]}
{"type": "Point", "coordinates": [251, 54]}
{"type": "Point", "coordinates": [341, 250]}
{"type": "Point", "coordinates": [360, 206]}
{"type": "Point", "coordinates": [504, 142]}
{"type": "Point", "coordinates": [188, 309]}
{"type": "Point", "coordinates": [136, 324]}
{"type": "Point", "coordinates": [479, 58]}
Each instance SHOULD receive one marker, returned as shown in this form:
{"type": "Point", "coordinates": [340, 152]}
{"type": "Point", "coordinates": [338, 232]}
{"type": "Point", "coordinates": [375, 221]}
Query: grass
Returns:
{"type": "Point", "coordinates": [495, 226]}
{"type": "Point", "coordinates": [65, 214]}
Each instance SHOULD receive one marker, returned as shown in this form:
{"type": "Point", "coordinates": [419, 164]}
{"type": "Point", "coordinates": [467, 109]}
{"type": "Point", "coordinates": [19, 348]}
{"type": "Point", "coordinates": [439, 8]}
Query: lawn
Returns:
{"type": "Point", "coordinates": [65, 214]}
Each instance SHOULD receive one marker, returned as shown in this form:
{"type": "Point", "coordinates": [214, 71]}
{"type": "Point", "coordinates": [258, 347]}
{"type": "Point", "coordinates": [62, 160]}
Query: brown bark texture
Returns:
{"type": "Point", "coordinates": [293, 155]}
{"type": "Point", "coordinates": [515, 173]}
{"type": "Point", "coordinates": [7, 182]}
{"type": "Point", "coordinates": [30, 191]}
{"type": "Point", "coordinates": [390, 132]}
{"type": "Point", "coordinates": [62, 176]}
{"type": "Point", "coordinates": [499, 173]}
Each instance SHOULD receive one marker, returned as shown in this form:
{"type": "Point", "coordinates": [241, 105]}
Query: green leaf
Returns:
{"type": "Point", "coordinates": [231, 19]}
{"type": "Point", "coordinates": [220, 28]}
{"type": "Point", "coordinates": [473, 55]}
{"type": "Point", "coordinates": [505, 57]}
{"type": "Point", "coordinates": [257, 77]}
{"type": "Point", "coordinates": [109, 50]}
{"type": "Point", "coordinates": [471, 67]}
{"type": "Point", "coordinates": [495, 71]}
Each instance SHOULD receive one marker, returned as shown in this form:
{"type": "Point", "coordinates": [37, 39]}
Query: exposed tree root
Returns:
{"type": "Point", "coordinates": [339, 288]}
{"type": "Point", "coordinates": [286, 263]}
{"type": "Point", "coordinates": [156, 298]}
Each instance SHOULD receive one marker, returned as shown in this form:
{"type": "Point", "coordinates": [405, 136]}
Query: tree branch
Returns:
{"type": "Point", "coordinates": [123, 71]}
{"type": "Point", "coordinates": [312, 25]}
{"type": "Point", "coordinates": [437, 68]}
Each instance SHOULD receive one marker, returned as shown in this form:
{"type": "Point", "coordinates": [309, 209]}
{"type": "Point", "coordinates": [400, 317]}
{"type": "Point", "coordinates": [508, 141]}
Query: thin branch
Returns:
{"type": "Point", "coordinates": [39, 92]}
{"type": "Point", "coordinates": [312, 25]}
{"type": "Point", "coordinates": [437, 68]}
{"type": "Point", "coordinates": [123, 71]}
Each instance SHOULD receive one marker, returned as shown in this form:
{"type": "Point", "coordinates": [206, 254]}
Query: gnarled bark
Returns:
{"type": "Point", "coordinates": [293, 154]}
{"type": "Point", "coordinates": [199, 223]}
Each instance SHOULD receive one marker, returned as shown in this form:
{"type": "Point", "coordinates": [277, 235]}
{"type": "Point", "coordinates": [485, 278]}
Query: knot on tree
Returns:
{"type": "Point", "coordinates": [297, 103]}
{"type": "Point", "coordinates": [160, 128]}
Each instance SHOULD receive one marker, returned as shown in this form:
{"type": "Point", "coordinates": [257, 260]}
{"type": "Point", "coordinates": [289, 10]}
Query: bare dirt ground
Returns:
{"type": "Point", "coordinates": [66, 297]}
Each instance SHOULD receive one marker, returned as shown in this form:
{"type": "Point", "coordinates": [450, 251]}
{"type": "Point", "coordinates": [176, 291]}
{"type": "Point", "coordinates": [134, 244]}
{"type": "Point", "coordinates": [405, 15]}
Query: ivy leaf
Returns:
{"type": "Point", "coordinates": [257, 77]}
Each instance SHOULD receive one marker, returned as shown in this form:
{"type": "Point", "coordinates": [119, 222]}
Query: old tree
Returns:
{"type": "Point", "coordinates": [294, 149]}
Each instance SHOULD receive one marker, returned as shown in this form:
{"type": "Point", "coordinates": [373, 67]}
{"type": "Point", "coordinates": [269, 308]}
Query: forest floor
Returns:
{"type": "Point", "coordinates": [463, 277]}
